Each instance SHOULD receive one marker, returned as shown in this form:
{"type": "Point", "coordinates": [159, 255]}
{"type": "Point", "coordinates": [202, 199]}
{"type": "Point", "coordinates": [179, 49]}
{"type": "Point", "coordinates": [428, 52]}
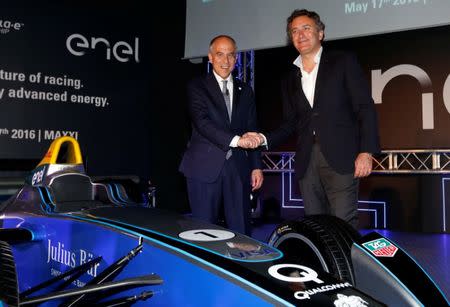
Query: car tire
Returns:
{"type": "Point", "coordinates": [322, 242]}
{"type": "Point", "coordinates": [8, 278]}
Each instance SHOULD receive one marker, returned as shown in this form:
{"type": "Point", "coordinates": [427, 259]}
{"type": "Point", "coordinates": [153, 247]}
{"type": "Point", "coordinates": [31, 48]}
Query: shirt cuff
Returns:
{"type": "Point", "coordinates": [234, 141]}
{"type": "Point", "coordinates": [265, 141]}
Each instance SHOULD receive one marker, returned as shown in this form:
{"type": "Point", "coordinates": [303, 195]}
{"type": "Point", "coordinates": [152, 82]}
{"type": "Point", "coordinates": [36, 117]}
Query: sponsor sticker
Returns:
{"type": "Point", "coordinates": [206, 235]}
{"type": "Point", "coordinates": [283, 229]}
{"type": "Point", "coordinates": [300, 274]}
{"type": "Point", "coordinates": [381, 248]}
{"type": "Point", "coordinates": [302, 295]}
{"type": "Point", "coordinates": [352, 300]}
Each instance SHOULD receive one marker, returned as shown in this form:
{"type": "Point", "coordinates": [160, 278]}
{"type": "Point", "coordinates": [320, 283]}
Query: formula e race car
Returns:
{"type": "Point", "coordinates": [67, 240]}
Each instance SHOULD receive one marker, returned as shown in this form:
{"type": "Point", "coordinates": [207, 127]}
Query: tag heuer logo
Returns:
{"type": "Point", "coordinates": [381, 248]}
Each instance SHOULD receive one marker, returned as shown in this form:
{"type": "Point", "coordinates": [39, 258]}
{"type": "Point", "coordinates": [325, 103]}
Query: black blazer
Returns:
{"type": "Point", "coordinates": [343, 115]}
{"type": "Point", "coordinates": [212, 131]}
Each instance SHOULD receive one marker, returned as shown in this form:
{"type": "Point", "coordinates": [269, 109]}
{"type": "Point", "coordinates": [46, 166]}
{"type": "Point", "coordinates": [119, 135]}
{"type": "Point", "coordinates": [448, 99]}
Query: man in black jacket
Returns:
{"type": "Point", "coordinates": [327, 102]}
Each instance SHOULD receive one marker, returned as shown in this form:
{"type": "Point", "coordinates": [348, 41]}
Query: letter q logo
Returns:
{"type": "Point", "coordinates": [307, 274]}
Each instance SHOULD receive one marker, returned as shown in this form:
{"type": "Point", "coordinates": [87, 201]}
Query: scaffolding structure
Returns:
{"type": "Point", "coordinates": [414, 161]}
{"type": "Point", "coordinates": [245, 67]}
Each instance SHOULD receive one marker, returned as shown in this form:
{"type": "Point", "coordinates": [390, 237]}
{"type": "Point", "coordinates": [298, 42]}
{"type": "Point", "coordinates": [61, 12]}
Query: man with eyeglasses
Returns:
{"type": "Point", "coordinates": [327, 102]}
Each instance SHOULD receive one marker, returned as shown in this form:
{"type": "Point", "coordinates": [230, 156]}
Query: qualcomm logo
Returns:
{"type": "Point", "coordinates": [305, 274]}
{"type": "Point", "coordinates": [79, 45]}
{"type": "Point", "coordinates": [6, 26]}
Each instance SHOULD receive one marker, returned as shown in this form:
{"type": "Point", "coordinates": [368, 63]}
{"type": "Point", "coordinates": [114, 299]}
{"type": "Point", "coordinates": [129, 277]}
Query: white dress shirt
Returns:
{"type": "Point", "coordinates": [309, 78]}
{"type": "Point", "coordinates": [230, 87]}
{"type": "Point", "coordinates": [308, 81]}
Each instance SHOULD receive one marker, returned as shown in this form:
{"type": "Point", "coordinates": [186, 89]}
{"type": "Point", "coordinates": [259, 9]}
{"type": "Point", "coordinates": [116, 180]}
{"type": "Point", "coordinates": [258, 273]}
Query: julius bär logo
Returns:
{"type": "Point", "coordinates": [7, 25]}
{"type": "Point", "coordinates": [381, 248]}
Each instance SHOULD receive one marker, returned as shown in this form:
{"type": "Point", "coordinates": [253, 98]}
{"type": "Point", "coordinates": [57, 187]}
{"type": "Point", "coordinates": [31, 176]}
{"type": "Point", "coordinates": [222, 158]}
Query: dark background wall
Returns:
{"type": "Point", "coordinates": [143, 128]}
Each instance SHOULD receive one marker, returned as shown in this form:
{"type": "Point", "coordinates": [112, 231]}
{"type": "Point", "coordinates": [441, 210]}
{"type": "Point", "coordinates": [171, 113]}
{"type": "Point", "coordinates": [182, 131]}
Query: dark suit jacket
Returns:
{"type": "Point", "coordinates": [212, 131]}
{"type": "Point", "coordinates": [343, 114]}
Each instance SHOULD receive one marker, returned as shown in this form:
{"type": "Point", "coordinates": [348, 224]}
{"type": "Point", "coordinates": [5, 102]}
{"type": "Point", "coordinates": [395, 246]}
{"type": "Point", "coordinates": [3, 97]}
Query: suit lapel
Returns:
{"type": "Point", "coordinates": [299, 95]}
{"type": "Point", "coordinates": [237, 89]}
{"type": "Point", "coordinates": [321, 77]}
{"type": "Point", "coordinates": [216, 94]}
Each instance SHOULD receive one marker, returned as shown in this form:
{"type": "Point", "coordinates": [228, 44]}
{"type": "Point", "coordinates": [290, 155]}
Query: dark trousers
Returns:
{"type": "Point", "coordinates": [325, 191]}
{"type": "Point", "coordinates": [206, 199]}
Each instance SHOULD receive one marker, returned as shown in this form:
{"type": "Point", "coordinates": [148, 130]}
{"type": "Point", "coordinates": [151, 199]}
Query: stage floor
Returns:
{"type": "Point", "coordinates": [430, 250]}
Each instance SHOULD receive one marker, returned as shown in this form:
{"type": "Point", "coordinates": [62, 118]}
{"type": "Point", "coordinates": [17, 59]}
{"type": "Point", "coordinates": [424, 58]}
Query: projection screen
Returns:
{"type": "Point", "coordinates": [260, 24]}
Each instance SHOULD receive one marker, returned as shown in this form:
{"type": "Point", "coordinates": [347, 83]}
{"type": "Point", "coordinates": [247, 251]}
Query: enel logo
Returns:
{"type": "Point", "coordinates": [77, 44]}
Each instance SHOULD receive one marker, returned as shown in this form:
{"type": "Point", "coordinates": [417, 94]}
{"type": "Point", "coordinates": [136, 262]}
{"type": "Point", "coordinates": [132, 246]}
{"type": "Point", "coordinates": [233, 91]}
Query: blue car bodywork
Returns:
{"type": "Point", "coordinates": [78, 242]}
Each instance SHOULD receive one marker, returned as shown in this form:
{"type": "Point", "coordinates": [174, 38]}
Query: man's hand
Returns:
{"type": "Point", "coordinates": [363, 165]}
{"type": "Point", "coordinates": [257, 179]}
{"type": "Point", "coordinates": [249, 140]}
{"type": "Point", "coordinates": [256, 135]}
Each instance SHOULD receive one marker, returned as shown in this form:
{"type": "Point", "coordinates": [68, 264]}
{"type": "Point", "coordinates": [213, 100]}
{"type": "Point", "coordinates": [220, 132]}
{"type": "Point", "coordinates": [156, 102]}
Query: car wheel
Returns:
{"type": "Point", "coordinates": [8, 277]}
{"type": "Point", "coordinates": [322, 242]}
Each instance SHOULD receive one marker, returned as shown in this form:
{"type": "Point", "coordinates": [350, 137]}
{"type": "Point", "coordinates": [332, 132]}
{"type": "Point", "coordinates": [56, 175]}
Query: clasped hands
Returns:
{"type": "Point", "coordinates": [251, 140]}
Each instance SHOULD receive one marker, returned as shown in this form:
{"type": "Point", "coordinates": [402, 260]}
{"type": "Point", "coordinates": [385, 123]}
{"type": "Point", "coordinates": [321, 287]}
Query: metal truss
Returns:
{"type": "Point", "coordinates": [417, 161]}
{"type": "Point", "coordinates": [278, 162]}
{"type": "Point", "coordinates": [245, 67]}
{"type": "Point", "coordinates": [282, 163]}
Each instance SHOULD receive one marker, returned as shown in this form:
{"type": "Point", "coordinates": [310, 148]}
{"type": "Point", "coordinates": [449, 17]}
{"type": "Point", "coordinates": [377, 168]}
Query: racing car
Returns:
{"type": "Point", "coordinates": [67, 240]}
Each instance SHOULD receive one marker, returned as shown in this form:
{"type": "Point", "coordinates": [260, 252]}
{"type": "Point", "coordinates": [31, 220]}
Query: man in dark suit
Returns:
{"type": "Point", "coordinates": [326, 100]}
{"type": "Point", "coordinates": [217, 167]}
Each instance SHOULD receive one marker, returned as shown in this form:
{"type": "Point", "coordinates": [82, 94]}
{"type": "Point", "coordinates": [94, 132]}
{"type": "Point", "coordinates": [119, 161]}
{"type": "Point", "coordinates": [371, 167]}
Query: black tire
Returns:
{"type": "Point", "coordinates": [322, 242]}
{"type": "Point", "coordinates": [8, 278]}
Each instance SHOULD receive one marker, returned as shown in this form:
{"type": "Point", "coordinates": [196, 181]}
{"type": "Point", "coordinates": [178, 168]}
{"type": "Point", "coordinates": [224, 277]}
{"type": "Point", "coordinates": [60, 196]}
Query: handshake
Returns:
{"type": "Point", "coordinates": [251, 140]}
